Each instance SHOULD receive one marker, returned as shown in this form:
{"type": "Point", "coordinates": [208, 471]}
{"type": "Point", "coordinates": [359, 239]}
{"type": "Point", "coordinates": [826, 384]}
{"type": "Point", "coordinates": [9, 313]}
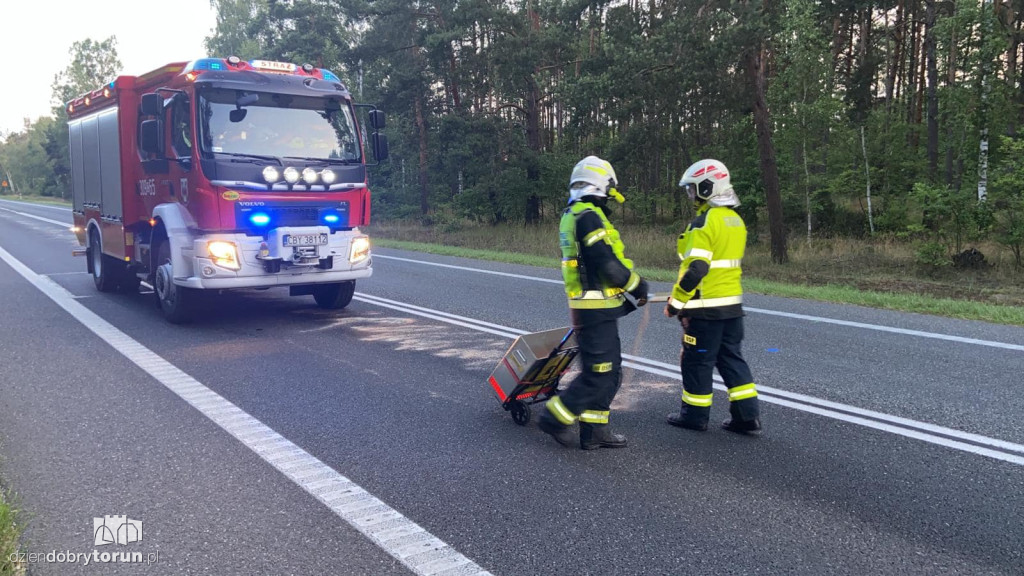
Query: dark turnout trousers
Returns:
{"type": "Point", "coordinates": [589, 396]}
{"type": "Point", "coordinates": [710, 344]}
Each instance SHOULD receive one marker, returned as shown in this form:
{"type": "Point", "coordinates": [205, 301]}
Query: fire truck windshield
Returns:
{"type": "Point", "coordinates": [277, 125]}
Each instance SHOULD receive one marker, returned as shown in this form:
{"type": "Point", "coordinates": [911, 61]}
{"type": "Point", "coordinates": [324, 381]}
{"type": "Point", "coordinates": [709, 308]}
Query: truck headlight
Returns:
{"type": "Point", "coordinates": [224, 254]}
{"type": "Point", "coordinates": [291, 175]}
{"type": "Point", "coordinates": [310, 176]}
{"type": "Point", "coordinates": [360, 249]}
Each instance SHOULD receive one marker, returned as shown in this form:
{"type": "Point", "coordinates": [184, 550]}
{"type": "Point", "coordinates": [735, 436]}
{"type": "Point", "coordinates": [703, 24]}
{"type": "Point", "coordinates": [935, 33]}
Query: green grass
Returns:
{"type": "Point", "coordinates": [829, 292]}
{"type": "Point", "coordinates": [10, 533]}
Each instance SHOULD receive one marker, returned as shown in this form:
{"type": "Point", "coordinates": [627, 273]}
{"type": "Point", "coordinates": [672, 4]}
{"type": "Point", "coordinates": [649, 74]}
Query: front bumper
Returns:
{"type": "Point", "coordinates": [205, 274]}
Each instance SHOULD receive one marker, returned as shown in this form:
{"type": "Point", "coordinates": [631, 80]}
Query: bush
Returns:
{"type": "Point", "coordinates": [933, 255]}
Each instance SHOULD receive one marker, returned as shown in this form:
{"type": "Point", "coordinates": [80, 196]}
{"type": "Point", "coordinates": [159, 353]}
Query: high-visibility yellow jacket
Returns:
{"type": "Point", "coordinates": [711, 250]}
{"type": "Point", "coordinates": [595, 269]}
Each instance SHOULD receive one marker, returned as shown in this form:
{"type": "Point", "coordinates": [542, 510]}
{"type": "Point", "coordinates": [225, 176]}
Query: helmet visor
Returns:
{"type": "Point", "coordinates": [691, 190]}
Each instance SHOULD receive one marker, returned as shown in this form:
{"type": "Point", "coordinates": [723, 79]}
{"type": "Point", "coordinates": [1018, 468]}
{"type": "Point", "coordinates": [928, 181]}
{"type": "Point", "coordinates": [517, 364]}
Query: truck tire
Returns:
{"type": "Point", "coordinates": [105, 270]}
{"type": "Point", "coordinates": [174, 301]}
{"type": "Point", "coordinates": [334, 296]}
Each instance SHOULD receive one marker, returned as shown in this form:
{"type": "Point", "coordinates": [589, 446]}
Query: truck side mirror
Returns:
{"type": "Point", "coordinates": [380, 146]}
{"type": "Point", "coordinates": [151, 137]}
{"type": "Point", "coordinates": [377, 120]}
{"type": "Point", "coordinates": [152, 104]}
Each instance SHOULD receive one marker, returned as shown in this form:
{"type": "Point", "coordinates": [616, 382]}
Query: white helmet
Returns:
{"type": "Point", "coordinates": [708, 181]}
{"type": "Point", "coordinates": [593, 176]}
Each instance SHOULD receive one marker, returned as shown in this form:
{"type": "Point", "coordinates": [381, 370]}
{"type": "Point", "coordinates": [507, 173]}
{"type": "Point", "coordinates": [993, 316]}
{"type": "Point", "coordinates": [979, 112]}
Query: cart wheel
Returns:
{"type": "Point", "coordinates": [520, 413]}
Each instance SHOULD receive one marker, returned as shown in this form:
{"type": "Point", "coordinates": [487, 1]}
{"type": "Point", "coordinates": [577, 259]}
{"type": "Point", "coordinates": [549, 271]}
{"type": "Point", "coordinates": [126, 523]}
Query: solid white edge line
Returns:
{"type": "Point", "coordinates": [65, 225]}
{"type": "Point", "coordinates": [383, 525]}
{"type": "Point", "coordinates": [886, 422]}
{"type": "Point", "coordinates": [34, 204]}
{"type": "Point", "coordinates": [819, 319]}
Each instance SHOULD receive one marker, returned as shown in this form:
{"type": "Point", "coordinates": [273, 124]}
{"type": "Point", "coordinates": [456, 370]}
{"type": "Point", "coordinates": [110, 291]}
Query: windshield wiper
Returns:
{"type": "Point", "coordinates": [323, 160]}
{"type": "Point", "coordinates": [239, 157]}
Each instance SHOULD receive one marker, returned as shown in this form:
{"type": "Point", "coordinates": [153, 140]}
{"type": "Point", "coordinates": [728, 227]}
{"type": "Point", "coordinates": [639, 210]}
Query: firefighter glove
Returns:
{"type": "Point", "coordinates": [640, 293]}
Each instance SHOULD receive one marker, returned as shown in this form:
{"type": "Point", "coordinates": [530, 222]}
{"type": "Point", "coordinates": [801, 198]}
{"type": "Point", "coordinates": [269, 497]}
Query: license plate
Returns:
{"type": "Point", "coordinates": [292, 240]}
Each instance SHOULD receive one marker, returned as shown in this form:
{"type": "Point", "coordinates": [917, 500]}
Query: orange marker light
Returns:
{"type": "Point", "coordinates": [152, 221]}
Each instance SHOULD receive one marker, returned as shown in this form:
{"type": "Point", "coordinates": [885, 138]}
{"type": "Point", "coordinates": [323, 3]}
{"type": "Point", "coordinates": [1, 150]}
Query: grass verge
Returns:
{"type": "Point", "coordinates": [10, 533]}
{"type": "Point", "coordinates": [842, 294]}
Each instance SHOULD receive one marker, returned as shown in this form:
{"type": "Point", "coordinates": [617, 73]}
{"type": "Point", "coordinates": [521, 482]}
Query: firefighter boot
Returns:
{"type": "Point", "coordinates": [689, 418]}
{"type": "Point", "coordinates": [744, 417]}
{"type": "Point", "coordinates": [747, 427]}
{"type": "Point", "coordinates": [560, 432]}
{"type": "Point", "coordinates": [594, 436]}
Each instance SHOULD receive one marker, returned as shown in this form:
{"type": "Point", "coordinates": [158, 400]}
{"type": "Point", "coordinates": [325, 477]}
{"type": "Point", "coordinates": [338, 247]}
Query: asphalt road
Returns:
{"type": "Point", "coordinates": [892, 443]}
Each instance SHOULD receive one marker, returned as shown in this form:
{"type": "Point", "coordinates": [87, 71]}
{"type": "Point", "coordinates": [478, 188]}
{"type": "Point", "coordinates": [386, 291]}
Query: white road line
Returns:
{"type": "Point", "coordinates": [820, 319]}
{"type": "Point", "coordinates": [33, 204]}
{"type": "Point", "coordinates": [468, 269]}
{"type": "Point", "coordinates": [383, 525]}
{"type": "Point", "coordinates": [903, 331]}
{"type": "Point", "coordinates": [40, 218]}
{"type": "Point", "coordinates": [934, 434]}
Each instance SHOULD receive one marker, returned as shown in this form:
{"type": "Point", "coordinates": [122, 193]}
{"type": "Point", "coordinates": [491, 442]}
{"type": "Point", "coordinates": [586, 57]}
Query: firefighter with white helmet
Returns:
{"type": "Point", "coordinates": [708, 300]}
{"type": "Point", "coordinates": [597, 277]}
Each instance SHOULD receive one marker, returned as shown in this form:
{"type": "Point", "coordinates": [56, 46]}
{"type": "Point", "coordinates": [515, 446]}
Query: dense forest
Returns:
{"type": "Point", "coordinates": [837, 118]}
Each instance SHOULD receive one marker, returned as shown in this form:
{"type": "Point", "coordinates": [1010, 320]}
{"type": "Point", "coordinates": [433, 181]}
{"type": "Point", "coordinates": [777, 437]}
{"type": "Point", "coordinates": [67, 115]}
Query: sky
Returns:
{"type": "Point", "coordinates": [39, 33]}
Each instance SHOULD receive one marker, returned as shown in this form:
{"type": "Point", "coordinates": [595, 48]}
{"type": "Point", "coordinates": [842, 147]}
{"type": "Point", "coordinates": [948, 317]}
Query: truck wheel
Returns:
{"type": "Point", "coordinates": [174, 301]}
{"type": "Point", "coordinates": [104, 268]}
{"type": "Point", "coordinates": [334, 296]}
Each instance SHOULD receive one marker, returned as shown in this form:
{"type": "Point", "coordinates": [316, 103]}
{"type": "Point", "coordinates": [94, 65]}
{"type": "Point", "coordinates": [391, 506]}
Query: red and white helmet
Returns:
{"type": "Point", "coordinates": [708, 181]}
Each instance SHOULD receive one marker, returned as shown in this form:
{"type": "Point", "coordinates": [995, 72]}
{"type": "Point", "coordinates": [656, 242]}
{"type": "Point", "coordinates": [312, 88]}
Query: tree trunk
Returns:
{"type": "Point", "coordinates": [894, 58]}
{"type": "Point", "coordinates": [756, 72]}
{"type": "Point", "coordinates": [932, 94]}
{"type": "Point", "coordinates": [910, 80]}
{"type": "Point", "coordinates": [421, 127]}
{"type": "Point", "coordinates": [950, 81]}
{"type": "Point", "coordinates": [534, 143]}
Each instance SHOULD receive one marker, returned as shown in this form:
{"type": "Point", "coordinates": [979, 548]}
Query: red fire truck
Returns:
{"type": "Point", "coordinates": [221, 174]}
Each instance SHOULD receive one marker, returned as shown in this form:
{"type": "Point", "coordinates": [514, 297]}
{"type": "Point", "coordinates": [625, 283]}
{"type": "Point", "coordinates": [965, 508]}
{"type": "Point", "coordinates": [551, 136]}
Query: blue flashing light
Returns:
{"type": "Point", "coordinates": [331, 218]}
{"type": "Point", "coordinates": [328, 75]}
{"type": "Point", "coordinates": [209, 64]}
{"type": "Point", "coordinates": [260, 219]}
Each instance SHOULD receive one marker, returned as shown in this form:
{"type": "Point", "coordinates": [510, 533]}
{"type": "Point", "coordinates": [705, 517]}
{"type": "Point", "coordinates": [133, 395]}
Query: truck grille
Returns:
{"type": "Point", "coordinates": [295, 216]}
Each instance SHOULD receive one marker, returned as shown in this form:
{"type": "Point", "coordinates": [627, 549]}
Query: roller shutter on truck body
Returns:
{"type": "Point", "coordinates": [96, 163]}
{"type": "Point", "coordinates": [77, 165]}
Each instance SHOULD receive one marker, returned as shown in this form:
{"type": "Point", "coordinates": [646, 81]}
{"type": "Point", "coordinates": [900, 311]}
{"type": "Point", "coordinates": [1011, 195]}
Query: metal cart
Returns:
{"type": "Point", "coordinates": [531, 369]}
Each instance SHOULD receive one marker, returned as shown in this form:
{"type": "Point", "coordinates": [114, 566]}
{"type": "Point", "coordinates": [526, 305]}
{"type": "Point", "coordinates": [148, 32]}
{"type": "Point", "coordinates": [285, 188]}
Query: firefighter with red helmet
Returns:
{"type": "Point", "coordinates": [708, 300]}
{"type": "Point", "coordinates": [597, 277]}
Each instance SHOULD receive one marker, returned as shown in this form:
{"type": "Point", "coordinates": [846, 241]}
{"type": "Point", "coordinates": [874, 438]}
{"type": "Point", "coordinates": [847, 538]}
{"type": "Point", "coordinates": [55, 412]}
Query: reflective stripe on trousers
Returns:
{"type": "Point", "coordinates": [702, 400]}
{"type": "Point", "coordinates": [742, 392]}
{"type": "Point", "coordinates": [560, 412]}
